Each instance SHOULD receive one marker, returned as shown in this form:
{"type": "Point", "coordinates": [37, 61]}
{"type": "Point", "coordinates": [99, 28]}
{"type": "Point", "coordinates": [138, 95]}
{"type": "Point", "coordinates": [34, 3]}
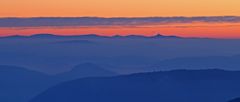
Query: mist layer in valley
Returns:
{"type": "Point", "coordinates": [52, 68]}
{"type": "Point", "coordinates": [121, 54]}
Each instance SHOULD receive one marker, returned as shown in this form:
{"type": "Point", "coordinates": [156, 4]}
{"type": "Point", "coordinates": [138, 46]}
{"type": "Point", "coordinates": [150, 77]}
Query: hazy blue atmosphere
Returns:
{"type": "Point", "coordinates": [119, 51]}
{"type": "Point", "coordinates": [53, 68]}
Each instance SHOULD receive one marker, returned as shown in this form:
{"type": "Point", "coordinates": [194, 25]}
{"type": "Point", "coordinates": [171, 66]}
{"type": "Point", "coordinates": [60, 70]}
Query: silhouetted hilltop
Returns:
{"type": "Point", "coordinates": [163, 36]}
{"type": "Point", "coordinates": [43, 36]}
{"type": "Point", "coordinates": [86, 70]}
{"type": "Point", "coordinates": [129, 36]}
{"type": "Point", "coordinates": [171, 86]}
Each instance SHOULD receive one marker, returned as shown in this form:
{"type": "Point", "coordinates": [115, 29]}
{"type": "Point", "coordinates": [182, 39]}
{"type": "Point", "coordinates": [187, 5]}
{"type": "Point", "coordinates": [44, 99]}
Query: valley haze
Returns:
{"type": "Point", "coordinates": [48, 67]}
{"type": "Point", "coordinates": [119, 51]}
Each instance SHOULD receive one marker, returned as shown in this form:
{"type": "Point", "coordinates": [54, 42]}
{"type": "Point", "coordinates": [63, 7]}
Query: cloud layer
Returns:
{"type": "Point", "coordinates": [98, 21]}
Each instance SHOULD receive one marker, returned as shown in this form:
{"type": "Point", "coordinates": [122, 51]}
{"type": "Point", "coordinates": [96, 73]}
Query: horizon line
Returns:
{"type": "Point", "coordinates": [119, 35]}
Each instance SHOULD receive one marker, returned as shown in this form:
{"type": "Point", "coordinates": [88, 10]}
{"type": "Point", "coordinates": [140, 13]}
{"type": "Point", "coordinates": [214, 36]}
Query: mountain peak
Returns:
{"type": "Point", "coordinates": [129, 36]}
{"type": "Point", "coordinates": [86, 70]}
{"type": "Point", "coordinates": [164, 36]}
{"type": "Point", "coordinates": [44, 35]}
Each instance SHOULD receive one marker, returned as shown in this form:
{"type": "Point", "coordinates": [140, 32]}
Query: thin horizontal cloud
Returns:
{"type": "Point", "coordinates": [98, 21]}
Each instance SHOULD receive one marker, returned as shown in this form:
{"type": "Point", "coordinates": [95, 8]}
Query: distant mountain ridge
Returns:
{"type": "Point", "coordinates": [88, 36]}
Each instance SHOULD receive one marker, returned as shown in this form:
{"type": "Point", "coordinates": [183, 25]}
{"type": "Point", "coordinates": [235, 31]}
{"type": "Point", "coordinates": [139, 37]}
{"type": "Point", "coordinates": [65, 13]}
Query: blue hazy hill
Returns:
{"type": "Point", "coordinates": [75, 42]}
{"type": "Point", "coordinates": [170, 86]}
{"type": "Point", "coordinates": [88, 36]}
{"type": "Point", "coordinates": [61, 58]}
{"type": "Point", "coordinates": [210, 62]}
{"type": "Point", "coordinates": [85, 70]}
{"type": "Point", "coordinates": [18, 84]}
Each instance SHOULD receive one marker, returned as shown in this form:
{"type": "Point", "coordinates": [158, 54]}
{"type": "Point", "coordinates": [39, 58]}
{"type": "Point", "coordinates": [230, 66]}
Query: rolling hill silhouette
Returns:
{"type": "Point", "coordinates": [85, 70]}
{"type": "Point", "coordinates": [117, 55]}
{"type": "Point", "coordinates": [88, 36]}
{"type": "Point", "coordinates": [55, 54]}
{"type": "Point", "coordinates": [171, 86]}
{"type": "Point", "coordinates": [19, 84]}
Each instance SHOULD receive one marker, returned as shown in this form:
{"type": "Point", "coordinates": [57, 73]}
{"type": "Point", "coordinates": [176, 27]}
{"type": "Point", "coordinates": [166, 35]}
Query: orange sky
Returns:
{"type": "Point", "coordinates": [116, 8]}
{"type": "Point", "coordinates": [125, 8]}
{"type": "Point", "coordinates": [215, 30]}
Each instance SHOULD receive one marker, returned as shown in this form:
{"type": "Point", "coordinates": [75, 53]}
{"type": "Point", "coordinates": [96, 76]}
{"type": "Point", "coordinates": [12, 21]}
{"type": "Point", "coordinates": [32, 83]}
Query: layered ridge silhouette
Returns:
{"type": "Point", "coordinates": [170, 86]}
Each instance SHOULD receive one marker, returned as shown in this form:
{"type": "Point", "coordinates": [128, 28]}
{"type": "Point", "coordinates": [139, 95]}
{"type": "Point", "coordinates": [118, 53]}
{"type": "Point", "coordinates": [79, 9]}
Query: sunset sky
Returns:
{"type": "Point", "coordinates": [126, 8]}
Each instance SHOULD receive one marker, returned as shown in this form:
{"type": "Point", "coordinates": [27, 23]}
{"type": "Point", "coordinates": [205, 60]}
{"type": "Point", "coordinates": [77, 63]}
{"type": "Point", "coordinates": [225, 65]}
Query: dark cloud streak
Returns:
{"type": "Point", "coordinates": [98, 21]}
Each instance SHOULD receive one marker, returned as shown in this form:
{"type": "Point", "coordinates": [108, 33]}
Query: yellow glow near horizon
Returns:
{"type": "Point", "coordinates": [118, 8]}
